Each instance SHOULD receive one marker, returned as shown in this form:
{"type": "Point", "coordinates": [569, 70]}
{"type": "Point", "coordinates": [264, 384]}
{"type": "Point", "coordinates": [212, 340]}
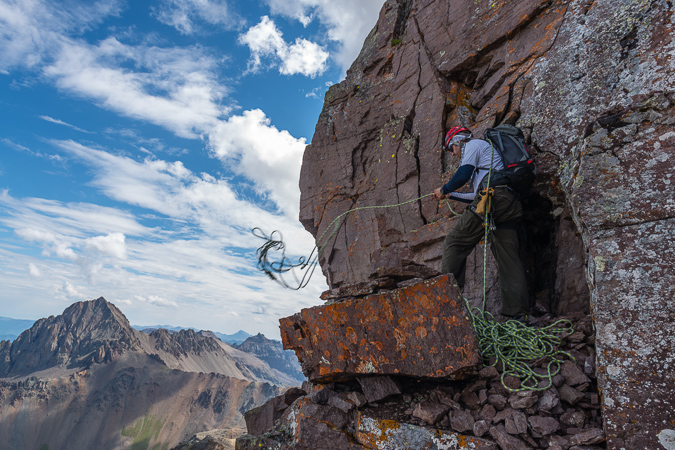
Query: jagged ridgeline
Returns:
{"type": "Point", "coordinates": [592, 85]}
{"type": "Point", "coordinates": [87, 380]}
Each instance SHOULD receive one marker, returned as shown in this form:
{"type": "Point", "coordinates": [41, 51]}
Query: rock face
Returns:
{"type": "Point", "coordinates": [592, 84]}
{"type": "Point", "coordinates": [421, 331]}
{"type": "Point", "coordinates": [86, 379]}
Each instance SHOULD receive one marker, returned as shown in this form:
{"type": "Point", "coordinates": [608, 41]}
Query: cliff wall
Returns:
{"type": "Point", "coordinates": [592, 84]}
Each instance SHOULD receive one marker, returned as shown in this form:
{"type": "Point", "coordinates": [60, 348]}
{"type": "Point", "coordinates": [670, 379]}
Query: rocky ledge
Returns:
{"type": "Point", "coordinates": [395, 412]}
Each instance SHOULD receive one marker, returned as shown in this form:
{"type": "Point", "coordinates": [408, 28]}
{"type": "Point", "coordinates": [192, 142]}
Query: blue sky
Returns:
{"type": "Point", "coordinates": [141, 141]}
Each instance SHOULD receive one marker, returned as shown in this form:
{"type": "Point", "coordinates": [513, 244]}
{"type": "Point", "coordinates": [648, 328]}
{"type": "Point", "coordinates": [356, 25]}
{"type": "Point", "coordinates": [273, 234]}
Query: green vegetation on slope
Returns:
{"type": "Point", "coordinates": [143, 431]}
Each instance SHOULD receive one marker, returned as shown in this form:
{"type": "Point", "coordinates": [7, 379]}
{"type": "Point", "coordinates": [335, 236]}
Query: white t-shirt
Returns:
{"type": "Point", "coordinates": [478, 153]}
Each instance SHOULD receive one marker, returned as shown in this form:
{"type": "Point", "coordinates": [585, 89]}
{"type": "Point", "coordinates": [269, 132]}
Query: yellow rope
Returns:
{"type": "Point", "coordinates": [274, 242]}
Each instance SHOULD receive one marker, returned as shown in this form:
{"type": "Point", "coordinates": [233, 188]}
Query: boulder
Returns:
{"type": "Point", "coordinates": [588, 437]}
{"type": "Point", "coordinates": [505, 440]}
{"type": "Point", "coordinates": [378, 388]}
{"type": "Point", "coordinates": [421, 330]}
{"type": "Point", "coordinates": [260, 419]}
{"type": "Point", "coordinates": [544, 425]}
{"type": "Point", "coordinates": [430, 412]}
{"type": "Point", "coordinates": [304, 425]}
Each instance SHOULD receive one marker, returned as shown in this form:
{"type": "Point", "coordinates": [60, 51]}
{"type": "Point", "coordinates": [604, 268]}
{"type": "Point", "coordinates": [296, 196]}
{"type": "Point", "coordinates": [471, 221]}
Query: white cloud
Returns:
{"type": "Point", "coordinates": [112, 244]}
{"type": "Point", "coordinates": [71, 232]}
{"type": "Point", "coordinates": [61, 122]}
{"type": "Point", "coordinates": [52, 244]}
{"type": "Point", "coordinates": [69, 292]}
{"type": "Point", "coordinates": [184, 15]}
{"type": "Point", "coordinates": [30, 30]}
{"type": "Point", "coordinates": [157, 301]}
{"type": "Point", "coordinates": [179, 89]}
{"type": "Point", "coordinates": [174, 88]}
{"type": "Point", "coordinates": [44, 220]}
{"type": "Point", "coordinates": [348, 21]}
{"type": "Point", "coordinates": [34, 271]}
{"type": "Point", "coordinates": [53, 157]}
{"type": "Point", "coordinates": [302, 57]}
{"type": "Point", "coordinates": [266, 155]}
{"type": "Point", "coordinates": [174, 191]}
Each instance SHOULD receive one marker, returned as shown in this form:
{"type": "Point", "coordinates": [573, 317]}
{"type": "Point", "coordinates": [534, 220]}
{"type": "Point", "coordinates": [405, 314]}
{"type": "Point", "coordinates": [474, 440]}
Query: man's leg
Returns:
{"type": "Point", "coordinates": [459, 243]}
{"type": "Point", "coordinates": [512, 280]}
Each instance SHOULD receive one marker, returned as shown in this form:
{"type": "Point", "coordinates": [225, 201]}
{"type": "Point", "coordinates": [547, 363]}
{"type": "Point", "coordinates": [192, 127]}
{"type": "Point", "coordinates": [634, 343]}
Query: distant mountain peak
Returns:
{"type": "Point", "coordinates": [86, 332]}
{"type": "Point", "coordinates": [92, 312]}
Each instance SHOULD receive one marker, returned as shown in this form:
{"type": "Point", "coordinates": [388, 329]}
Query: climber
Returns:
{"type": "Point", "coordinates": [504, 213]}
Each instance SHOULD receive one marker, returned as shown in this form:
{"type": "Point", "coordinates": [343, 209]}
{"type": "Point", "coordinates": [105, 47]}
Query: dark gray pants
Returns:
{"type": "Point", "coordinates": [468, 232]}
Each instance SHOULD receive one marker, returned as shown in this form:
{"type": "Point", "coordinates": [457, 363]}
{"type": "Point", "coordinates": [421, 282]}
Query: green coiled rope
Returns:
{"type": "Point", "coordinates": [512, 344]}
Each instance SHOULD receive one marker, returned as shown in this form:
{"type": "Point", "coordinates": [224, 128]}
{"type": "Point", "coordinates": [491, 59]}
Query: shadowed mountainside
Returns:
{"type": "Point", "coordinates": [86, 379]}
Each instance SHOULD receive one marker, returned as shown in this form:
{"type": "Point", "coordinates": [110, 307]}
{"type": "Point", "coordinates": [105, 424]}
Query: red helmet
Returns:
{"type": "Point", "coordinates": [452, 133]}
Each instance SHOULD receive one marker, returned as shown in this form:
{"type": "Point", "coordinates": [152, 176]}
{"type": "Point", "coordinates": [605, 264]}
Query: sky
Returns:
{"type": "Point", "coordinates": [141, 142]}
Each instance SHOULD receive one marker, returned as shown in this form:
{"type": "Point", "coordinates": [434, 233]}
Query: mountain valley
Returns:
{"type": "Point", "coordinates": [87, 379]}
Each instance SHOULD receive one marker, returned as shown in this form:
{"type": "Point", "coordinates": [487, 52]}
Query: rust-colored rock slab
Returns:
{"type": "Point", "coordinates": [421, 330]}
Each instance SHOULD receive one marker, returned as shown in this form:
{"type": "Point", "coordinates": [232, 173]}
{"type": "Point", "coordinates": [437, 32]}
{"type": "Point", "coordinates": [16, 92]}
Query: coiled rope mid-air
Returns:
{"type": "Point", "coordinates": [275, 269]}
{"type": "Point", "coordinates": [512, 344]}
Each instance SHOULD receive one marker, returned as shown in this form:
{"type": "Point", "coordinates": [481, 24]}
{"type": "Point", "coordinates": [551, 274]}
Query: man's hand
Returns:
{"type": "Point", "coordinates": [439, 196]}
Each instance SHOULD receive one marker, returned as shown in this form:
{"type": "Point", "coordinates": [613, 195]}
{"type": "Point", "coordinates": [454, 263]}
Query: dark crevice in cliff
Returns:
{"type": "Point", "coordinates": [359, 161]}
{"type": "Point", "coordinates": [516, 115]}
{"type": "Point", "coordinates": [613, 225]}
{"type": "Point", "coordinates": [548, 152]}
{"type": "Point", "coordinates": [557, 31]}
{"type": "Point", "coordinates": [416, 150]}
{"type": "Point", "coordinates": [408, 126]}
{"type": "Point", "coordinates": [538, 251]}
{"type": "Point", "coordinates": [587, 7]}
{"type": "Point", "coordinates": [432, 63]}
{"type": "Point", "coordinates": [629, 42]}
{"type": "Point", "coordinates": [404, 10]}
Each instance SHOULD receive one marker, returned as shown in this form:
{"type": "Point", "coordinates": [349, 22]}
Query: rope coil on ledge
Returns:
{"type": "Point", "coordinates": [514, 344]}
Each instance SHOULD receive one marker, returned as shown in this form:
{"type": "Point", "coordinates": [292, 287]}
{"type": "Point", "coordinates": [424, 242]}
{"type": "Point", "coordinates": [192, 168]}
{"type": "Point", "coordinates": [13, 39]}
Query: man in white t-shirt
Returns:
{"type": "Point", "coordinates": [477, 156]}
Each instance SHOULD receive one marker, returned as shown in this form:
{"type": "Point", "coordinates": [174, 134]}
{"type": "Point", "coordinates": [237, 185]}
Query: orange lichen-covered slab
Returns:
{"type": "Point", "coordinates": [421, 330]}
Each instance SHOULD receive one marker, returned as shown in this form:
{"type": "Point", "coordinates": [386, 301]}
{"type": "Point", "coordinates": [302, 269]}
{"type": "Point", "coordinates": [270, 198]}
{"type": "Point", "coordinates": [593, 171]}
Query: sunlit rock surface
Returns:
{"type": "Point", "coordinates": [422, 331]}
